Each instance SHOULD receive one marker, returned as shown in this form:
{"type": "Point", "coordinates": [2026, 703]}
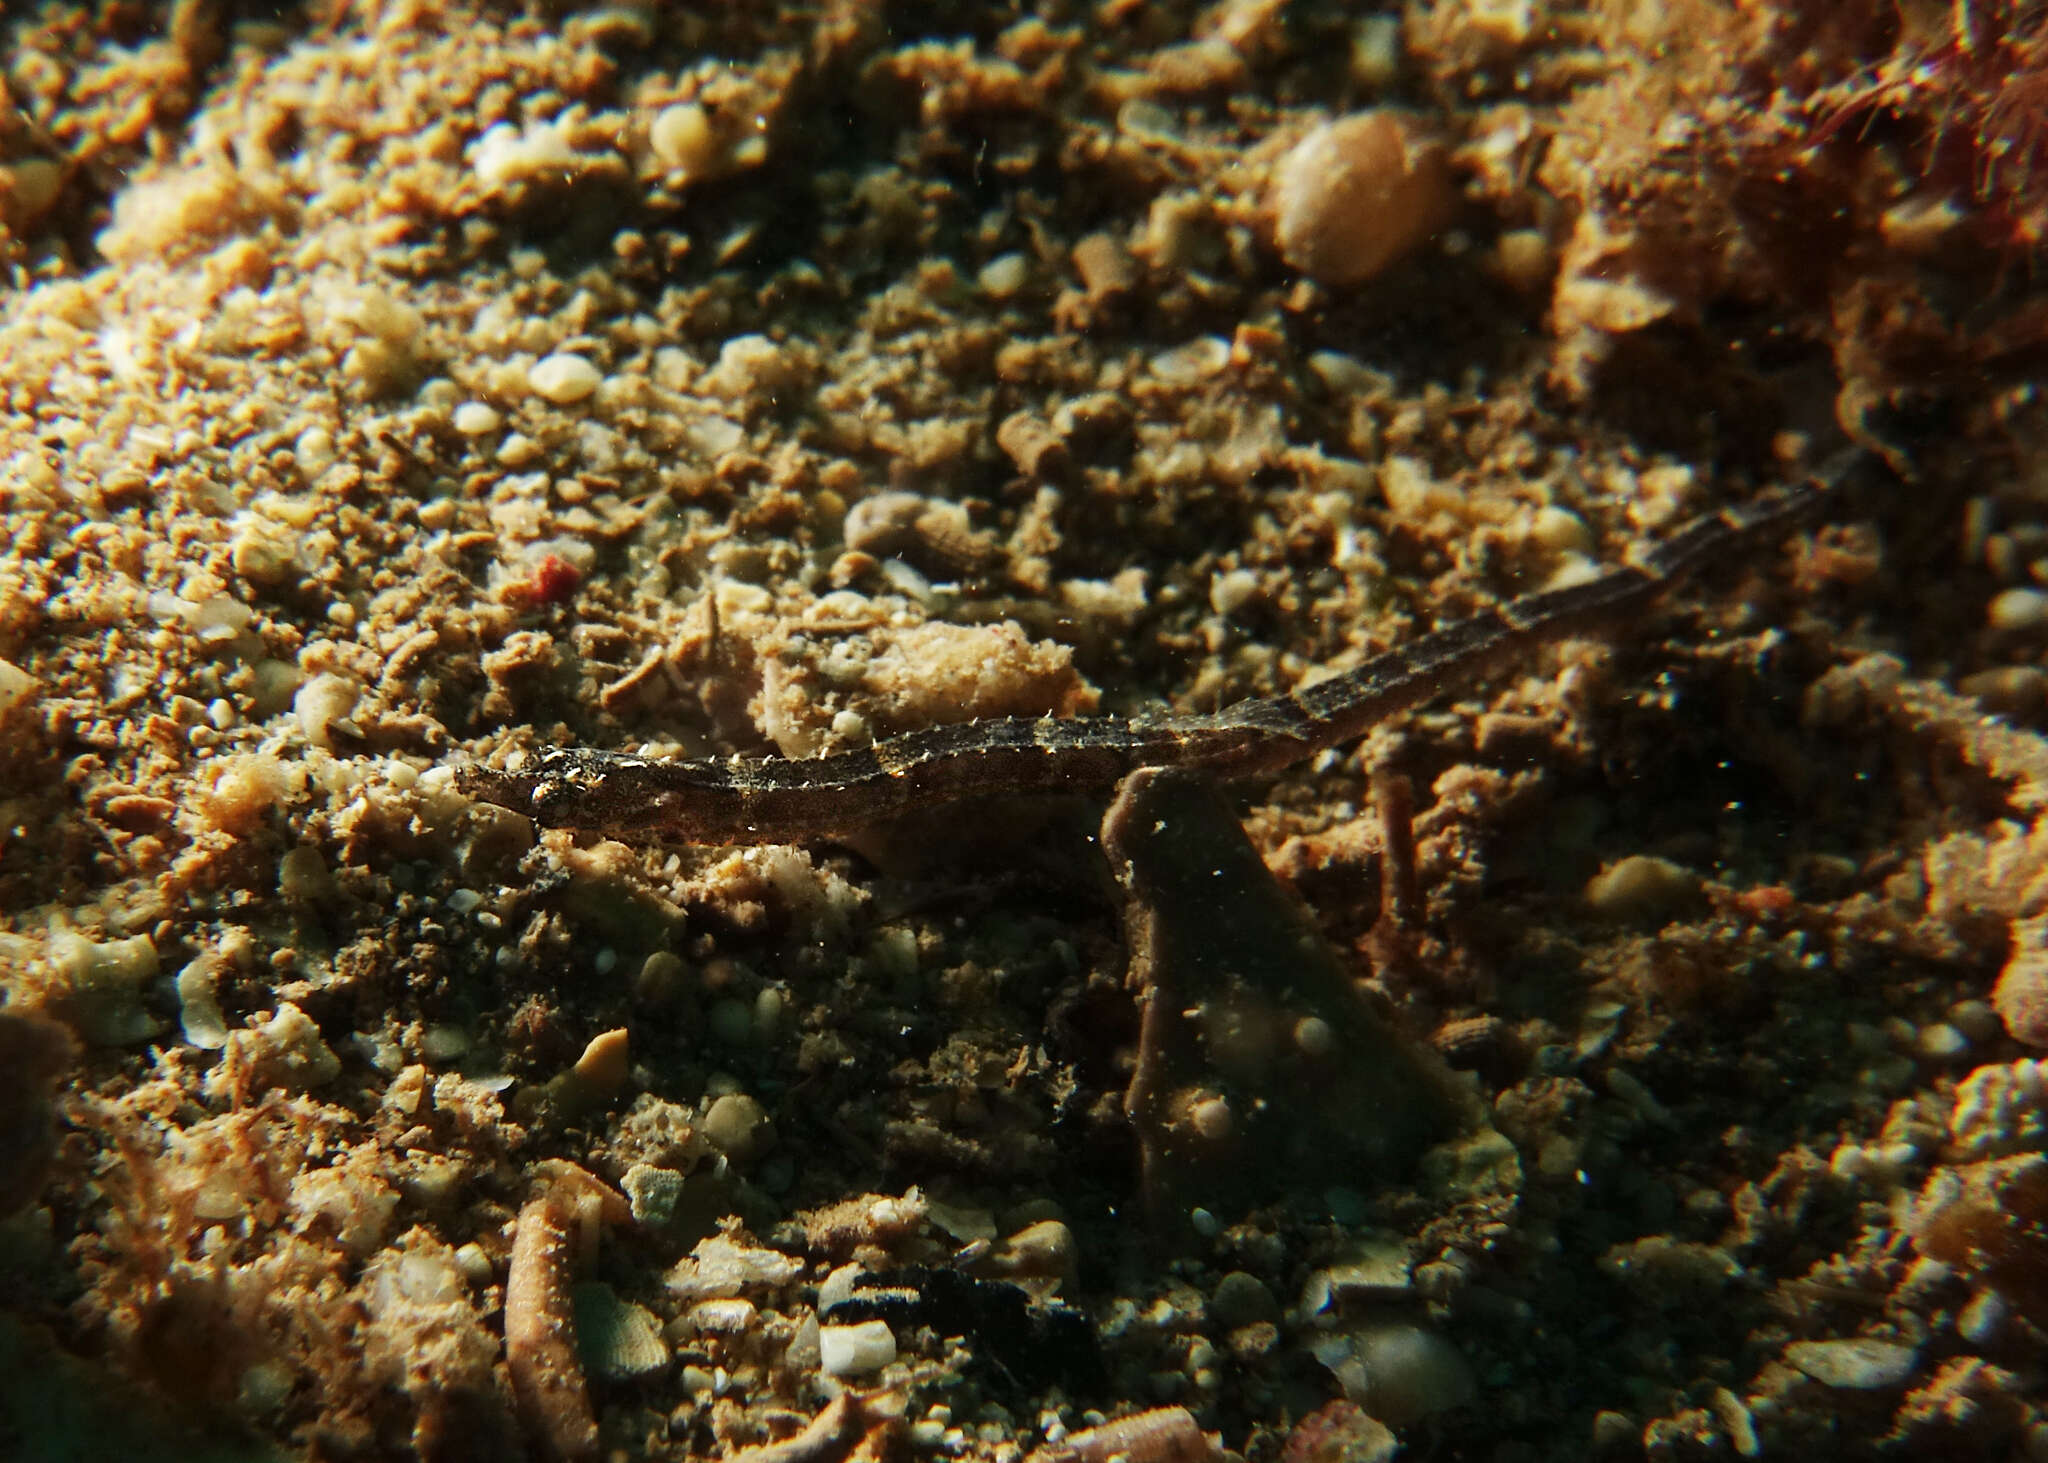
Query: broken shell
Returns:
{"type": "Point", "coordinates": [1356, 194]}
{"type": "Point", "coordinates": [616, 1339]}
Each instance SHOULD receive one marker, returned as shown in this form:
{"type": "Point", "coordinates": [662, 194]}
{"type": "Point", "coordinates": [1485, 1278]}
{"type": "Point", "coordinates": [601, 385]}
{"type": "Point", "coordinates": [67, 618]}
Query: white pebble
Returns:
{"type": "Point", "coordinates": [477, 419]}
{"type": "Point", "coordinates": [1003, 275]}
{"type": "Point", "coordinates": [564, 378]}
{"type": "Point", "coordinates": [848, 1351]}
{"type": "Point", "coordinates": [505, 154]}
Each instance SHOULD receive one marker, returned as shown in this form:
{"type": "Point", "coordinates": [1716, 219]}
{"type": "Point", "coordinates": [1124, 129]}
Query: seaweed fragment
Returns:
{"type": "Point", "coordinates": [34, 1052]}
{"type": "Point", "coordinates": [1031, 1346]}
{"type": "Point", "coordinates": [1261, 1067]}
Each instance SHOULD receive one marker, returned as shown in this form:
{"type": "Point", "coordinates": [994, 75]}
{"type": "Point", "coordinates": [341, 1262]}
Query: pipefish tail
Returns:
{"type": "Point", "coordinates": [792, 800]}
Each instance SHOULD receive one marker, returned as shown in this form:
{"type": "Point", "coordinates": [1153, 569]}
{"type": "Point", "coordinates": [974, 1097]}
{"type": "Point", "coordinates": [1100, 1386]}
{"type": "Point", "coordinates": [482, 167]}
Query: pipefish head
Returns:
{"type": "Point", "coordinates": [552, 786]}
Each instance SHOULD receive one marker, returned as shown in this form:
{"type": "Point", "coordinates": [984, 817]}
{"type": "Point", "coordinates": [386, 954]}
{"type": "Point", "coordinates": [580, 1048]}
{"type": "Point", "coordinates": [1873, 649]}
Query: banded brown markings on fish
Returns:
{"type": "Point", "coordinates": [724, 800]}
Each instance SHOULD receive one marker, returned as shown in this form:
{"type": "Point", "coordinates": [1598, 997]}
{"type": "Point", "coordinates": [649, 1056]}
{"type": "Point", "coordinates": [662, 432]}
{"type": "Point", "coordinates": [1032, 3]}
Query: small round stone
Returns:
{"type": "Point", "coordinates": [2019, 612]}
{"type": "Point", "coordinates": [1641, 887]}
{"type": "Point", "coordinates": [1411, 1373]}
{"type": "Point", "coordinates": [1004, 275]}
{"type": "Point", "coordinates": [683, 139]}
{"type": "Point", "coordinates": [1241, 1299]}
{"type": "Point", "coordinates": [739, 1127]}
{"type": "Point", "coordinates": [1356, 194]}
{"type": "Point", "coordinates": [731, 1021]}
{"type": "Point", "coordinates": [1314, 1037]}
{"type": "Point", "coordinates": [564, 378]}
{"type": "Point", "coordinates": [477, 419]}
{"type": "Point", "coordinates": [1941, 1042]}
{"type": "Point", "coordinates": [1561, 531]}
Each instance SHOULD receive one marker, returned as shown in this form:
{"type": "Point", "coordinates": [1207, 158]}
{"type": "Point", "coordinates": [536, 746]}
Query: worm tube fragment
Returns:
{"type": "Point", "coordinates": [540, 1335]}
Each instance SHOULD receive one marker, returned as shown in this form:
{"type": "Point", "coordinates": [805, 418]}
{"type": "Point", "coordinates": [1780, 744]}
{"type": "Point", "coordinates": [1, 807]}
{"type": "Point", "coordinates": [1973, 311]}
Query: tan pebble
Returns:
{"type": "Point", "coordinates": [1242, 1299]}
{"type": "Point", "coordinates": [1561, 531]}
{"type": "Point", "coordinates": [661, 978]}
{"type": "Point", "coordinates": [28, 188]}
{"type": "Point", "coordinates": [1855, 1363]}
{"type": "Point", "coordinates": [1032, 444]}
{"type": "Point", "coordinates": [1104, 266]}
{"type": "Point", "coordinates": [1356, 194]}
{"type": "Point", "coordinates": [1401, 1373]}
{"type": "Point", "coordinates": [683, 139]}
{"type": "Point", "coordinates": [604, 1064]}
{"type": "Point", "coordinates": [246, 790]}
{"type": "Point", "coordinates": [739, 1127]}
{"type": "Point", "coordinates": [17, 688]}
{"type": "Point", "coordinates": [1523, 260]}
{"type": "Point", "coordinates": [1920, 223]}
{"type": "Point", "coordinates": [302, 876]}
{"type": "Point", "coordinates": [2021, 995]}
{"type": "Point", "coordinates": [262, 554]}
{"type": "Point", "coordinates": [2008, 690]}
{"type": "Point", "coordinates": [1640, 887]}
{"type": "Point", "coordinates": [1196, 66]}
{"type": "Point", "coordinates": [1043, 1251]}
{"type": "Point", "coordinates": [883, 524]}
{"type": "Point", "coordinates": [1233, 591]}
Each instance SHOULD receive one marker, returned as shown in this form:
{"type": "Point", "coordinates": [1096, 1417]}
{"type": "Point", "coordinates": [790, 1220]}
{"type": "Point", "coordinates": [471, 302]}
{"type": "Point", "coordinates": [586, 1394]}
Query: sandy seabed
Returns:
{"type": "Point", "coordinates": [390, 387]}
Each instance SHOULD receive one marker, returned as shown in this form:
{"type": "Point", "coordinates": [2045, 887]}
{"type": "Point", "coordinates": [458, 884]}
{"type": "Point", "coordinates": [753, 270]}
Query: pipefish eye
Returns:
{"type": "Point", "coordinates": [553, 798]}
